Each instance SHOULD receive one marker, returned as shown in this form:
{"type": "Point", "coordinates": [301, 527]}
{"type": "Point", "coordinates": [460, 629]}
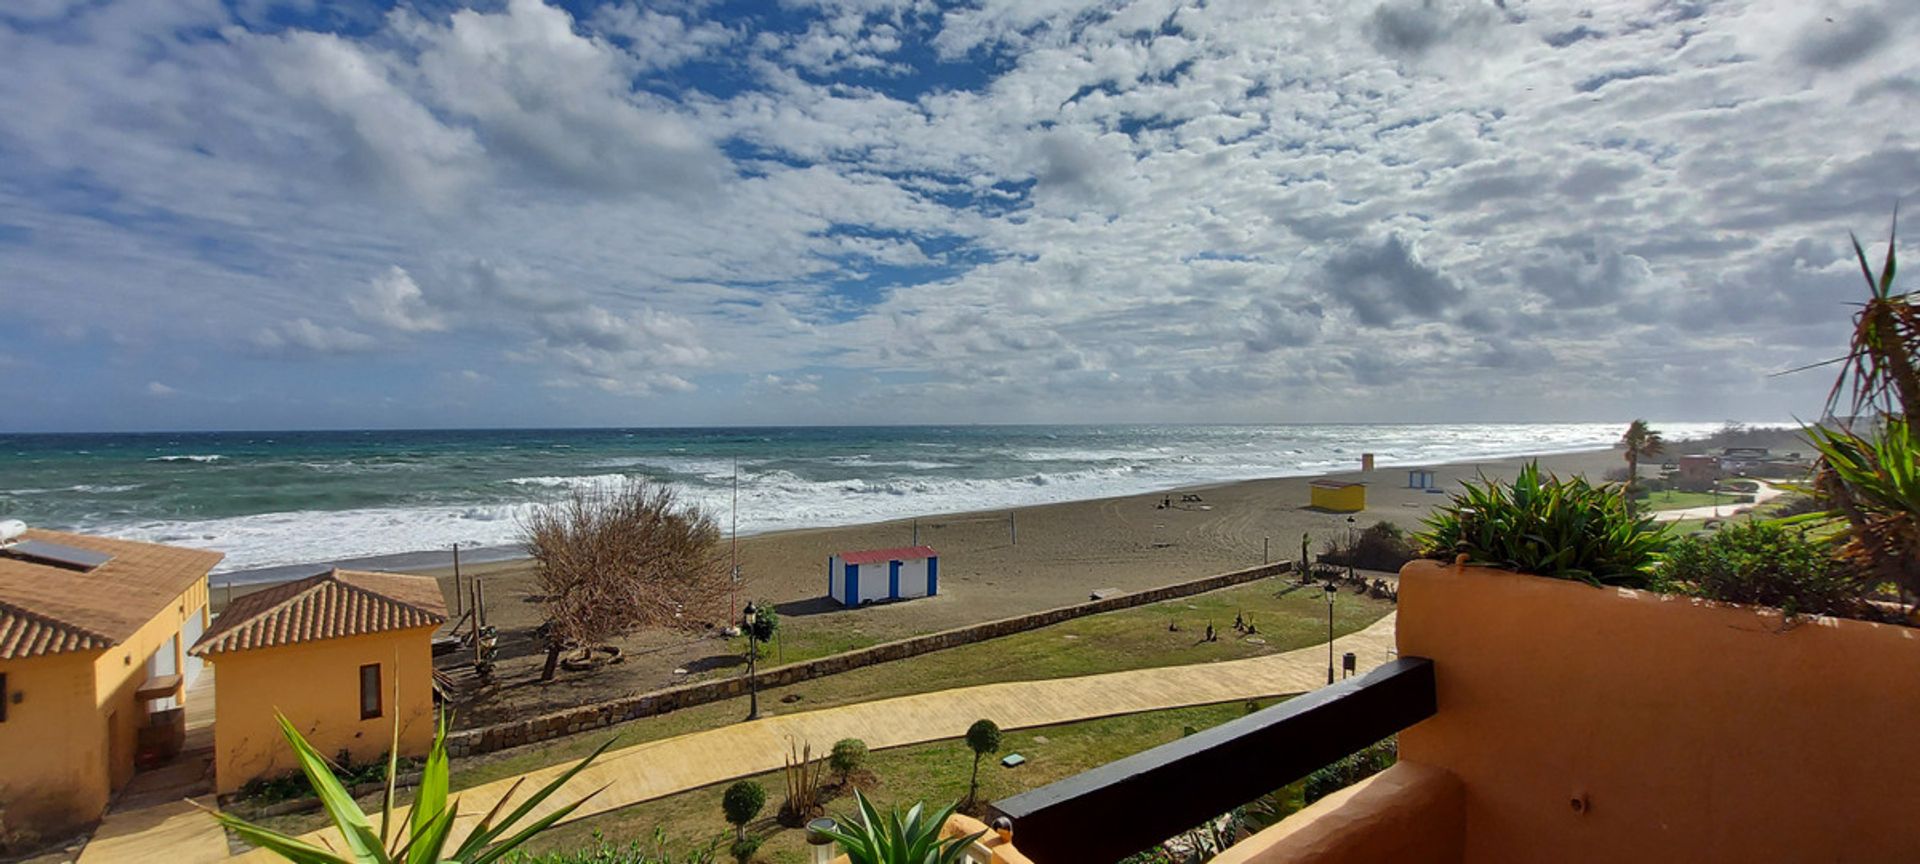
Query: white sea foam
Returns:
{"type": "Point", "coordinates": [776, 498]}
{"type": "Point", "coordinates": [189, 457]}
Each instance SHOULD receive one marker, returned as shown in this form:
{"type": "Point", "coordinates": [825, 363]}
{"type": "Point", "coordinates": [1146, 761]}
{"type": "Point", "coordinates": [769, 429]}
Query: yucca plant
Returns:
{"type": "Point", "coordinates": [424, 839]}
{"type": "Point", "coordinates": [1545, 526]}
{"type": "Point", "coordinates": [1869, 468]}
{"type": "Point", "coordinates": [896, 839]}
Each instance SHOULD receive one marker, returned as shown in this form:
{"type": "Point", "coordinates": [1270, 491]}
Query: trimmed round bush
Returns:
{"type": "Point", "coordinates": [849, 754]}
{"type": "Point", "coordinates": [741, 802]}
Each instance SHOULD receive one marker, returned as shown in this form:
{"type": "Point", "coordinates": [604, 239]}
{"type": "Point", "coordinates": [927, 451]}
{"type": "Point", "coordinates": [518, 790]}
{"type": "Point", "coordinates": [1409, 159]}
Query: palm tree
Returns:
{"type": "Point", "coordinates": [1641, 441]}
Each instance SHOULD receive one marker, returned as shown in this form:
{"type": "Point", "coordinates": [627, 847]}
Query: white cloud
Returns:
{"type": "Point", "coordinates": [1116, 210]}
{"type": "Point", "coordinates": [302, 336]}
{"type": "Point", "coordinates": [393, 300]}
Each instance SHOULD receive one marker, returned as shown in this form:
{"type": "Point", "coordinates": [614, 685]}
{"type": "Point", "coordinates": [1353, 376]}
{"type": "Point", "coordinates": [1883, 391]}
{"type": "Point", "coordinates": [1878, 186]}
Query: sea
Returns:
{"type": "Point", "coordinates": [281, 503]}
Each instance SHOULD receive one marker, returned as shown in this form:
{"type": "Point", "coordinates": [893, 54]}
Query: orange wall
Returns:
{"type": "Point", "coordinates": [1694, 732]}
{"type": "Point", "coordinates": [123, 668]}
{"type": "Point", "coordinates": [55, 771]}
{"type": "Point", "coordinates": [317, 685]}
{"type": "Point", "coordinates": [53, 774]}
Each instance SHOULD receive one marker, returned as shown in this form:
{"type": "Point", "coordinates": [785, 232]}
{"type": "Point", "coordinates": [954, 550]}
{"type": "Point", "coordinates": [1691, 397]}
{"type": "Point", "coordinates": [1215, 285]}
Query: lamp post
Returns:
{"type": "Point", "coordinates": [1330, 592]}
{"type": "Point", "coordinates": [1350, 549]}
{"type": "Point", "coordinates": [753, 651]}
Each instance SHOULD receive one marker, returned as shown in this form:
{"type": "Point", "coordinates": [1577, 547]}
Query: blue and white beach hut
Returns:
{"type": "Point", "coordinates": [877, 575]}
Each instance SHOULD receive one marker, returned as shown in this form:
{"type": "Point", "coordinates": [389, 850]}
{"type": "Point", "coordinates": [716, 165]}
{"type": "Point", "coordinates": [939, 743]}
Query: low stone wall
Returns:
{"type": "Point", "coordinates": [499, 736]}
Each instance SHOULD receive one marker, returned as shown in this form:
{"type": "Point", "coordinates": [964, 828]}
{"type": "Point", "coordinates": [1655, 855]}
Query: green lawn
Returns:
{"type": "Point", "coordinates": [1115, 641]}
{"type": "Point", "coordinates": [1674, 500]}
{"type": "Point", "coordinates": [1111, 642]}
{"type": "Point", "coordinates": [935, 773]}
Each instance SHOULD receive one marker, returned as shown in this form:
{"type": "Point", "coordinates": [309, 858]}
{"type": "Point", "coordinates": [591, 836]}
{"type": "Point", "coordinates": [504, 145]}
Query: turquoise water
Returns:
{"type": "Point", "coordinates": [279, 498]}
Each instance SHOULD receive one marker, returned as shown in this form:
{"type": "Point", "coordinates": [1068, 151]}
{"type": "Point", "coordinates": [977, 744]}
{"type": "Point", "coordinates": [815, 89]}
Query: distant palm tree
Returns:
{"type": "Point", "coordinates": [1640, 440]}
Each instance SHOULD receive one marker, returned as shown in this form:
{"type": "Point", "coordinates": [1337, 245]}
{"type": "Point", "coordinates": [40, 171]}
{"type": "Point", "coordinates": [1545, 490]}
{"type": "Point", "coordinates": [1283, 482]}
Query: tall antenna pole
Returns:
{"type": "Point", "coordinates": [733, 582]}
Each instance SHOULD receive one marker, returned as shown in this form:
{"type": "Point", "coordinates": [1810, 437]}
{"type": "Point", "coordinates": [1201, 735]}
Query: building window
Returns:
{"type": "Point", "coordinates": [369, 691]}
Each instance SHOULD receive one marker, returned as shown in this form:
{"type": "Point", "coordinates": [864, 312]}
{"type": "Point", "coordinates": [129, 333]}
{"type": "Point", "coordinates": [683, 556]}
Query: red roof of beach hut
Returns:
{"type": "Point", "coordinates": [898, 553]}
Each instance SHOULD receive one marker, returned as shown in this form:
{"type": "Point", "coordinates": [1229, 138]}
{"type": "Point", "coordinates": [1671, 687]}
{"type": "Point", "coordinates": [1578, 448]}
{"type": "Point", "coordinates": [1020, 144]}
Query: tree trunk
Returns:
{"type": "Point", "coordinates": [973, 783]}
{"type": "Point", "coordinates": [553, 661]}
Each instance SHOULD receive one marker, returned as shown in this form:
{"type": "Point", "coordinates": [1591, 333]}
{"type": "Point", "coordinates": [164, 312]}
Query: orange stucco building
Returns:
{"type": "Point", "coordinates": [92, 632]}
{"type": "Point", "coordinates": [342, 655]}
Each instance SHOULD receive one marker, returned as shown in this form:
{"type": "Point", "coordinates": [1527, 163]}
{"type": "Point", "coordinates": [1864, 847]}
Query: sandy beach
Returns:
{"type": "Point", "coordinates": [1060, 555]}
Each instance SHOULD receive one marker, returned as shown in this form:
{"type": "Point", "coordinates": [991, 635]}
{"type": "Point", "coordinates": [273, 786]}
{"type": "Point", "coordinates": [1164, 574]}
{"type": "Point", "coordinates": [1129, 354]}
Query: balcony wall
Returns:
{"type": "Point", "coordinates": [1407, 814]}
{"type": "Point", "coordinates": [1589, 724]}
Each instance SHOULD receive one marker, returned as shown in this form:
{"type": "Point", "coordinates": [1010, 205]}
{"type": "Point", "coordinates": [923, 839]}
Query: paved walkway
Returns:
{"type": "Point", "coordinates": [1761, 496]}
{"type": "Point", "coordinates": [658, 768]}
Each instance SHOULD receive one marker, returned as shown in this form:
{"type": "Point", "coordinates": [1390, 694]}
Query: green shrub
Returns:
{"type": "Point", "coordinates": [849, 754]}
{"type": "Point", "coordinates": [1540, 524]}
{"type": "Point", "coordinates": [1351, 769]}
{"type": "Point", "coordinates": [1765, 565]}
{"type": "Point", "coordinates": [741, 802]}
{"type": "Point", "coordinates": [1381, 546]}
{"type": "Point", "coordinates": [766, 623]}
{"type": "Point", "coordinates": [743, 849]}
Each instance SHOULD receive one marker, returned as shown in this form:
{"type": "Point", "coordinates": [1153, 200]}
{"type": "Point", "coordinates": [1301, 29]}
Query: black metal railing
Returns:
{"type": "Point", "coordinates": [1122, 807]}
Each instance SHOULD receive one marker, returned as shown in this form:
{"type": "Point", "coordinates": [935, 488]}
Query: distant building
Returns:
{"type": "Point", "coordinates": [327, 652]}
{"type": "Point", "coordinates": [92, 632]}
{"type": "Point", "coordinates": [1699, 469]}
{"type": "Point", "coordinates": [1734, 460]}
{"type": "Point", "coordinates": [1340, 496]}
{"type": "Point", "coordinates": [875, 575]}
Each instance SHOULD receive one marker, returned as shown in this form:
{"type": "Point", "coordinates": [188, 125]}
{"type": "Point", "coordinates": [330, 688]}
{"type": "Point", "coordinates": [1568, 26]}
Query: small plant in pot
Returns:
{"type": "Point", "coordinates": [1545, 526]}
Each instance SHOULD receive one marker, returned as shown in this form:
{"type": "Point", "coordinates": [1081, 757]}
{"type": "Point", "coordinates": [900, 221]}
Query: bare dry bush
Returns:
{"type": "Point", "coordinates": [616, 557]}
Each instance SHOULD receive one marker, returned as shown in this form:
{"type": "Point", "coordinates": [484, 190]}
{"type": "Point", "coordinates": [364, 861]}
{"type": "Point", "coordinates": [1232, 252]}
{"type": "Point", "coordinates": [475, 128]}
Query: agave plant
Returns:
{"type": "Point", "coordinates": [1540, 524]}
{"type": "Point", "coordinates": [429, 829]}
{"type": "Point", "coordinates": [896, 839]}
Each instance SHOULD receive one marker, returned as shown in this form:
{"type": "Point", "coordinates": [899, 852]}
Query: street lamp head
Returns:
{"type": "Point", "coordinates": [751, 612]}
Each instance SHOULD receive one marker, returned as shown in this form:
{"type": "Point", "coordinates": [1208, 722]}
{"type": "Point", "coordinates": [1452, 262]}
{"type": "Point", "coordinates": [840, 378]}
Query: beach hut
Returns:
{"type": "Point", "coordinates": [92, 678]}
{"type": "Point", "coordinates": [1340, 496]}
{"type": "Point", "coordinates": [875, 575]}
{"type": "Point", "coordinates": [325, 651]}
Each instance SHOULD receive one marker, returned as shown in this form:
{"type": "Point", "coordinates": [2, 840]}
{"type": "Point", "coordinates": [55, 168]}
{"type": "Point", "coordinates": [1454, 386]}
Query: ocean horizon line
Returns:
{"type": "Point", "coordinates": [1756, 424]}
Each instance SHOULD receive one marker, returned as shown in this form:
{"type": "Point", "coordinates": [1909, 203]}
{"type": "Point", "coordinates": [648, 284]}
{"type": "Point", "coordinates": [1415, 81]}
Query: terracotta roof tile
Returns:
{"type": "Point", "coordinates": [328, 606]}
{"type": "Point", "coordinates": [897, 553]}
{"type": "Point", "coordinates": [49, 609]}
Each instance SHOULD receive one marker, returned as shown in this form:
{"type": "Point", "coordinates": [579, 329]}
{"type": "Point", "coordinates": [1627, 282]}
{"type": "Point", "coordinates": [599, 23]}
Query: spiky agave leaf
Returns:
{"type": "Point", "coordinates": [1540, 524]}
{"type": "Point", "coordinates": [431, 822]}
{"type": "Point", "coordinates": [894, 838]}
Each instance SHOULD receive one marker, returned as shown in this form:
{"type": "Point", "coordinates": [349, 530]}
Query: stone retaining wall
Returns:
{"type": "Point", "coordinates": [499, 736]}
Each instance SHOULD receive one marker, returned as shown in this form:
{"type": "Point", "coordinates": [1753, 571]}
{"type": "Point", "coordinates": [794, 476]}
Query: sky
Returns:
{"type": "Point", "coordinates": [252, 215]}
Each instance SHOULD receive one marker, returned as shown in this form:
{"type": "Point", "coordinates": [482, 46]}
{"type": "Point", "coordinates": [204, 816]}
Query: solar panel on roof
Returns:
{"type": "Point", "coordinates": [55, 553]}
